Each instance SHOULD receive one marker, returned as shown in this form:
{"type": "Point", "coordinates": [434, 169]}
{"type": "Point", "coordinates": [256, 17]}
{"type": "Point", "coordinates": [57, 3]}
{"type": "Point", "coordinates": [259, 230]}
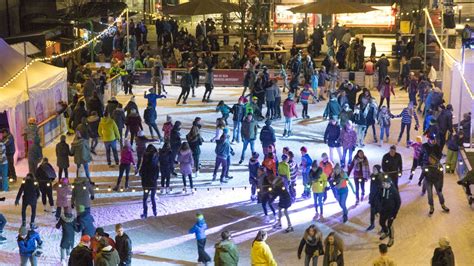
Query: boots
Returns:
{"type": "Point", "coordinates": [431, 210]}
{"type": "Point", "coordinates": [370, 228]}
{"type": "Point", "coordinates": [390, 242]}
{"type": "Point", "coordinates": [284, 133]}
{"type": "Point", "coordinates": [445, 209]}
{"type": "Point", "coordinates": [381, 143]}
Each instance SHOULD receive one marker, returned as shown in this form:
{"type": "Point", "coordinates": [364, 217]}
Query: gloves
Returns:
{"type": "Point", "coordinates": [17, 203]}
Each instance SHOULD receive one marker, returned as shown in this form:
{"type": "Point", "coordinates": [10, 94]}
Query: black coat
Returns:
{"type": "Point", "coordinates": [30, 192]}
{"type": "Point", "coordinates": [77, 114]}
{"type": "Point", "coordinates": [149, 170]}
{"type": "Point", "coordinates": [331, 135]}
{"type": "Point", "coordinates": [445, 121]}
{"type": "Point", "coordinates": [123, 245]}
{"type": "Point", "coordinates": [375, 189]}
{"type": "Point", "coordinates": [69, 227]}
{"type": "Point", "coordinates": [311, 246]}
{"type": "Point", "coordinates": [175, 138]}
{"type": "Point", "coordinates": [443, 257]}
{"type": "Point", "coordinates": [428, 149]}
{"type": "Point", "coordinates": [96, 105]}
{"type": "Point", "coordinates": [391, 164]}
{"type": "Point", "coordinates": [80, 256]}
{"type": "Point", "coordinates": [166, 163]}
{"type": "Point", "coordinates": [389, 201]}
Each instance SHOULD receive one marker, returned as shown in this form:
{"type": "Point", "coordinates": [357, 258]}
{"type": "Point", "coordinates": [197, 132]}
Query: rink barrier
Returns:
{"type": "Point", "coordinates": [220, 188]}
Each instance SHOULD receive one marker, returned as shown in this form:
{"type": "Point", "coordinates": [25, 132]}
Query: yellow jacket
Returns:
{"type": "Point", "coordinates": [108, 130]}
{"type": "Point", "coordinates": [320, 185]}
{"type": "Point", "coordinates": [260, 254]}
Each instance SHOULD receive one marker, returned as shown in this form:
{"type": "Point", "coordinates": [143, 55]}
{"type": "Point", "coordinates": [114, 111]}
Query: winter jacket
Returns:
{"type": "Point", "coordinates": [270, 164]}
{"type": "Point", "coordinates": [108, 130]}
{"type": "Point", "coordinates": [305, 164]}
{"type": "Point", "coordinates": [406, 116]}
{"type": "Point", "coordinates": [443, 257]}
{"type": "Point", "coordinates": [111, 106]}
{"type": "Point", "coordinates": [371, 114]}
{"type": "Point", "coordinates": [62, 193]}
{"type": "Point", "coordinates": [348, 138]}
{"type": "Point", "coordinates": [81, 152]}
{"type": "Point", "coordinates": [175, 138]}
{"type": "Point", "coordinates": [151, 98]}
{"type": "Point", "coordinates": [445, 121]}
{"type": "Point", "coordinates": [45, 173]}
{"type": "Point", "coordinates": [35, 151]}
{"type": "Point", "coordinates": [126, 156]}
{"type": "Point", "coordinates": [81, 196]}
{"type": "Point", "coordinates": [69, 227]}
{"type": "Point", "coordinates": [9, 144]}
{"type": "Point", "coordinates": [167, 128]}
{"type": "Point", "coordinates": [333, 109]}
{"type": "Point", "coordinates": [238, 110]}
{"type": "Point", "coordinates": [261, 254]}
{"type": "Point", "coordinates": [62, 154]}
{"type": "Point", "coordinates": [30, 192]}
{"type": "Point", "coordinates": [93, 126]}
{"type": "Point", "coordinates": [311, 245]}
{"type": "Point", "coordinates": [95, 105]}
{"type": "Point", "coordinates": [428, 150]}
{"type": "Point", "coordinates": [254, 164]}
{"type": "Point", "coordinates": [289, 108]}
{"type": "Point", "coordinates": [284, 170]}
{"type": "Point", "coordinates": [131, 105]}
{"type": "Point", "coordinates": [83, 129]}
{"type": "Point", "coordinates": [85, 223]}
{"type": "Point", "coordinates": [123, 244]}
{"type": "Point", "coordinates": [267, 136]}
{"type": "Point", "coordinates": [280, 190]}
{"type": "Point", "coordinates": [141, 143]}
{"type": "Point", "coordinates": [150, 115]}
{"type": "Point", "coordinates": [166, 162]}
{"type": "Point", "coordinates": [416, 150]}
{"type": "Point", "coordinates": [186, 80]}
{"type": "Point", "coordinates": [186, 162]}
{"type": "Point", "coordinates": [336, 256]}
{"type": "Point", "coordinates": [392, 163]}
{"type": "Point", "coordinates": [270, 93]}
{"type": "Point", "coordinates": [80, 256]}
{"type": "Point", "coordinates": [454, 142]}
{"type": "Point", "coordinates": [224, 109]}
{"type": "Point", "coordinates": [389, 201]}
{"type": "Point", "coordinates": [351, 94]}
{"type": "Point", "coordinates": [226, 254]}
{"type": "Point", "coordinates": [375, 189]}
{"type": "Point", "coordinates": [361, 168]}
{"type": "Point", "coordinates": [199, 229]}
{"type": "Point", "coordinates": [304, 96]}
{"type": "Point", "coordinates": [149, 170]}
{"type": "Point", "coordinates": [385, 90]}
{"type": "Point", "coordinates": [77, 114]}
{"type": "Point", "coordinates": [28, 245]}
{"type": "Point", "coordinates": [293, 170]}
{"type": "Point", "coordinates": [319, 180]}
{"type": "Point", "coordinates": [384, 118]}
{"type": "Point", "coordinates": [119, 117]}
{"type": "Point", "coordinates": [332, 135]}
{"type": "Point", "coordinates": [249, 130]}
{"type": "Point", "coordinates": [134, 123]}
{"type": "Point", "coordinates": [344, 117]}
{"type": "Point", "coordinates": [108, 256]}
{"type": "Point", "coordinates": [223, 148]}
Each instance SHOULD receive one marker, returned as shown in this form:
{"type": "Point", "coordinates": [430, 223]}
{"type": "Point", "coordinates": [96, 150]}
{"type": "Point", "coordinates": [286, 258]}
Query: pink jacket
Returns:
{"type": "Point", "coordinates": [62, 194]}
{"type": "Point", "coordinates": [289, 108]}
{"type": "Point", "coordinates": [385, 90]}
{"type": "Point", "coordinates": [126, 156]}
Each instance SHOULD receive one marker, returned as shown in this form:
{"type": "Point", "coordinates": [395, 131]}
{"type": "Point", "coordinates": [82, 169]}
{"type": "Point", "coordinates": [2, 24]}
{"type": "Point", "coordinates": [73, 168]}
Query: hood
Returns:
{"type": "Point", "coordinates": [253, 161]}
{"type": "Point", "coordinates": [93, 118]}
{"type": "Point", "coordinates": [185, 152]}
{"type": "Point", "coordinates": [224, 245]}
{"type": "Point", "coordinates": [67, 219]}
{"type": "Point", "coordinates": [106, 253]}
{"type": "Point", "coordinates": [81, 180]}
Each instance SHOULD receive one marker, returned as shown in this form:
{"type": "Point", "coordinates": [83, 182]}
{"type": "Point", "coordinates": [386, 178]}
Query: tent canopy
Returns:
{"type": "Point", "coordinates": [12, 62]}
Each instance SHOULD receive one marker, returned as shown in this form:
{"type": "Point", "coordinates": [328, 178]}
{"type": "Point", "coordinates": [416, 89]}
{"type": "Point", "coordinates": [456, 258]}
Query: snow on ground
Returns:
{"type": "Point", "coordinates": [163, 240]}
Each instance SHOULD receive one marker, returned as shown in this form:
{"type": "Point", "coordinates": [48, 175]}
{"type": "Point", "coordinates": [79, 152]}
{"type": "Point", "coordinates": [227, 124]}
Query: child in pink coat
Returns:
{"type": "Point", "coordinates": [62, 197]}
{"type": "Point", "coordinates": [126, 160]}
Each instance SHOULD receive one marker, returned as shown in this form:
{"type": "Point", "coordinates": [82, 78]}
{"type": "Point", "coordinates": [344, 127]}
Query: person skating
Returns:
{"type": "Point", "coordinates": [390, 202]}
{"type": "Point", "coordinates": [339, 182]}
{"type": "Point", "coordinates": [45, 176]}
{"type": "Point", "coordinates": [260, 253]}
{"type": "Point", "coordinates": [304, 98]}
{"type": "Point", "coordinates": [63, 191]}
{"type": "Point", "coordinates": [85, 221]}
{"type": "Point", "coordinates": [383, 260]}
{"type": "Point", "coordinates": [333, 108]}
{"type": "Point", "coordinates": [280, 190]}
{"type": "Point", "coordinates": [81, 255]}
{"type": "Point", "coordinates": [253, 166]}
{"type": "Point", "coordinates": [208, 83]}
{"type": "Point", "coordinates": [416, 155]}
{"type": "Point", "coordinates": [150, 116]}
{"type": "Point", "coordinates": [305, 166]}
{"type": "Point", "coordinates": [392, 164]}
{"type": "Point", "coordinates": [293, 175]}
{"type": "Point", "coordinates": [35, 154]}
{"type": "Point", "coordinates": [68, 226]}
{"type": "Point", "coordinates": [123, 244]}
{"type": "Point", "coordinates": [238, 111]}
{"type": "Point", "coordinates": [430, 148]}
{"type": "Point", "coordinates": [140, 144]}
{"type": "Point", "coordinates": [81, 198]}
{"type": "Point", "coordinates": [289, 111]}
{"type": "Point", "coordinates": [126, 161]}
{"type": "Point", "coordinates": [134, 124]}
{"type": "Point", "coordinates": [443, 255]}
{"type": "Point", "coordinates": [186, 163]}
{"type": "Point", "coordinates": [270, 94]}
{"type": "Point", "coordinates": [433, 177]}
{"type": "Point", "coordinates": [383, 120]}
{"type": "Point", "coordinates": [175, 142]}
{"type": "Point", "coordinates": [332, 138]}
{"type": "Point", "coordinates": [62, 157]}
{"type": "Point", "coordinates": [149, 175]}
{"type": "Point", "coordinates": [327, 166]}
{"type": "Point", "coordinates": [9, 141]}
{"type": "Point", "coordinates": [360, 165]}
{"type": "Point", "coordinates": [312, 242]}
{"type": "Point", "coordinates": [29, 192]}
{"type": "Point", "coordinates": [374, 198]}
{"type": "Point", "coordinates": [264, 191]}
{"type": "Point", "coordinates": [319, 182]}
{"type": "Point", "coordinates": [226, 253]}
{"type": "Point", "coordinates": [166, 167]}
{"type": "Point", "coordinates": [406, 115]}
{"type": "Point", "coordinates": [109, 134]}
{"type": "Point", "coordinates": [199, 230]}
{"type": "Point", "coordinates": [186, 83]}
{"type": "Point", "coordinates": [118, 115]}
{"type": "Point", "coordinates": [29, 244]}
{"type": "Point", "coordinates": [223, 152]}
{"type": "Point", "coordinates": [267, 136]}
{"type": "Point", "coordinates": [195, 141]}
{"type": "Point", "coordinates": [249, 134]}
{"type": "Point", "coordinates": [348, 139]}
{"type": "Point", "coordinates": [334, 250]}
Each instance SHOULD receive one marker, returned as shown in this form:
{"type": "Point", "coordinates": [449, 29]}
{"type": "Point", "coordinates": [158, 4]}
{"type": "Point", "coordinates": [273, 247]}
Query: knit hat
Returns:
{"type": "Point", "coordinates": [284, 157]}
{"type": "Point", "coordinates": [168, 118]}
{"type": "Point", "coordinates": [85, 239]}
{"type": "Point", "coordinates": [199, 216]}
{"type": "Point", "coordinates": [304, 149]}
{"type": "Point", "coordinates": [31, 120]}
{"type": "Point", "coordinates": [443, 242]}
{"type": "Point", "coordinates": [226, 130]}
{"type": "Point", "coordinates": [268, 122]}
{"type": "Point", "coordinates": [100, 231]}
{"type": "Point", "coordinates": [23, 231]}
{"type": "Point", "coordinates": [254, 98]}
{"type": "Point", "coordinates": [419, 139]}
{"type": "Point", "coordinates": [255, 155]}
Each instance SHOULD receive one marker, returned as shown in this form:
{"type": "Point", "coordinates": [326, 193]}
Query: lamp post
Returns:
{"type": "Point", "coordinates": [459, 14]}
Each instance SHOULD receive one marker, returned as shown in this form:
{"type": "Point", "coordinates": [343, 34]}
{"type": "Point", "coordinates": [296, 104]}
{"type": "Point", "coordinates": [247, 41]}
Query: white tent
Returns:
{"type": "Point", "coordinates": [46, 86]}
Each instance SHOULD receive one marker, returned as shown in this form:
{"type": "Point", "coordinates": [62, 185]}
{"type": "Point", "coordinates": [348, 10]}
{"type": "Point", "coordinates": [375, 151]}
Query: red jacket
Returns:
{"type": "Point", "coordinates": [95, 245]}
{"type": "Point", "coordinates": [126, 156]}
{"type": "Point", "coordinates": [289, 108]}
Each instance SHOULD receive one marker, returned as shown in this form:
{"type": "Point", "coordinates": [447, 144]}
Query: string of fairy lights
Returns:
{"type": "Point", "coordinates": [109, 188]}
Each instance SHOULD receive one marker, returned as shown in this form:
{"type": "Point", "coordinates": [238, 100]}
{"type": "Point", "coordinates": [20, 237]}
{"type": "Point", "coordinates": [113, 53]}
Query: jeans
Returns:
{"type": "Point", "coordinates": [306, 183]}
{"type": "Point", "coordinates": [111, 145]}
{"type": "Point", "coordinates": [60, 173]}
{"type": "Point", "coordinates": [190, 177]}
{"type": "Point", "coordinates": [374, 132]}
{"type": "Point", "coordinates": [304, 113]}
{"type": "Point", "coordinates": [94, 142]}
{"type": "Point", "coordinates": [220, 161]}
{"type": "Point", "coordinates": [277, 107]}
{"type": "Point", "coordinates": [24, 205]}
{"type": "Point", "coordinates": [402, 130]}
{"type": "Point", "coordinates": [341, 196]}
{"type": "Point", "coordinates": [46, 192]}
{"type": "Point", "coordinates": [152, 193]}
{"type": "Point", "coordinates": [270, 109]}
{"type": "Point", "coordinates": [344, 152]}
{"type": "Point", "coordinates": [451, 160]}
{"type": "Point", "coordinates": [196, 152]}
{"type": "Point", "coordinates": [208, 91]}
{"type": "Point", "coordinates": [331, 152]}
{"type": "Point", "coordinates": [11, 166]}
{"type": "Point", "coordinates": [438, 185]}
{"type": "Point", "coordinates": [123, 168]}
{"type": "Point", "coordinates": [86, 170]}
{"type": "Point", "coordinates": [308, 258]}
{"type": "Point", "coordinates": [288, 123]}
{"type": "Point", "coordinates": [359, 185]}
{"type": "Point", "coordinates": [285, 211]}
{"type": "Point", "coordinates": [32, 259]}
{"type": "Point", "coordinates": [202, 255]}
{"type": "Point", "coordinates": [266, 200]}
{"type": "Point", "coordinates": [361, 134]}
{"type": "Point", "coordinates": [386, 130]}
{"type": "Point", "coordinates": [236, 131]}
{"type": "Point", "coordinates": [388, 102]}
{"type": "Point", "coordinates": [414, 165]}
{"type": "Point", "coordinates": [386, 222]}
{"type": "Point", "coordinates": [4, 175]}
{"type": "Point", "coordinates": [65, 253]}
{"type": "Point", "coordinates": [152, 127]}
{"type": "Point", "coordinates": [3, 222]}
{"type": "Point", "coordinates": [245, 144]}
{"type": "Point", "coordinates": [318, 202]}
{"type": "Point", "coordinates": [373, 212]}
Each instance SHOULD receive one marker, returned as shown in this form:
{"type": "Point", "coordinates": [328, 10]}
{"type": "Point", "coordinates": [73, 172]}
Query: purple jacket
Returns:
{"type": "Point", "coordinates": [186, 162]}
{"type": "Point", "coordinates": [62, 194]}
{"type": "Point", "coordinates": [348, 138]}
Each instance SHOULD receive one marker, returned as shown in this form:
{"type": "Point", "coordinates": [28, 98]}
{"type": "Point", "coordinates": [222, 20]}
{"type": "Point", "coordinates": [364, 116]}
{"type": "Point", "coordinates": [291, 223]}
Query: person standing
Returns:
{"type": "Point", "coordinates": [186, 163]}
{"type": "Point", "coordinates": [382, 67]}
{"type": "Point", "coordinates": [29, 243]}
{"type": "Point", "coordinates": [443, 255]}
{"type": "Point", "coordinates": [166, 167]}
{"type": "Point", "coordinates": [385, 88]}
{"type": "Point", "coordinates": [81, 152]}
{"type": "Point", "coordinates": [280, 190]}
{"type": "Point", "coordinates": [93, 121]}
{"type": "Point", "coordinates": [223, 152]}
{"type": "Point", "coordinates": [199, 230]}
{"type": "Point", "coordinates": [374, 198]}
{"type": "Point", "coordinates": [289, 111]}
{"type": "Point", "coordinates": [123, 244]}
{"type": "Point", "coordinates": [149, 172]}
{"type": "Point", "coordinates": [249, 134]}
{"type": "Point", "coordinates": [175, 142]}
{"type": "Point", "coordinates": [157, 77]}
{"type": "Point", "coordinates": [383, 120]}
{"type": "Point", "coordinates": [186, 83]}
{"type": "Point", "coordinates": [267, 137]}
{"type": "Point", "coordinates": [195, 141]}
{"type": "Point", "coordinates": [339, 182]}
{"type": "Point", "coordinates": [319, 182]}
{"type": "Point", "coordinates": [392, 164]}
{"type": "Point", "coordinates": [3, 167]}
{"type": "Point", "coordinates": [369, 70]}
{"type": "Point", "coordinates": [383, 260]}
{"type": "Point", "coordinates": [445, 124]}
{"type": "Point", "coordinates": [260, 253]}
{"type": "Point", "coordinates": [45, 176]}
{"type": "Point", "coordinates": [433, 177]}
{"type": "Point", "coordinates": [348, 142]}
{"type": "Point", "coordinates": [226, 251]}
{"type": "Point", "coordinates": [134, 124]}
{"type": "Point", "coordinates": [29, 192]}
{"type": "Point", "coordinates": [270, 93]}
{"type": "Point", "coordinates": [333, 108]}
{"type": "Point", "coordinates": [126, 161]}
{"type": "Point", "coordinates": [107, 254]}
{"type": "Point", "coordinates": [208, 83]}
{"type": "Point", "coordinates": [81, 255]}
{"type": "Point", "coordinates": [63, 191]}
{"type": "Point", "coordinates": [81, 198]}
{"type": "Point", "coordinates": [361, 168]}
{"type": "Point", "coordinates": [9, 141]}
{"type": "Point", "coordinates": [407, 114]}
{"type": "Point", "coordinates": [109, 134]}
{"type": "Point", "coordinates": [334, 250]}
{"type": "Point", "coordinates": [312, 242]}
{"type": "Point", "coordinates": [390, 202]}
{"type": "Point", "coordinates": [332, 139]}
{"type": "Point", "coordinates": [68, 228]}
{"type": "Point", "coordinates": [35, 154]}
{"type": "Point", "coordinates": [238, 111]}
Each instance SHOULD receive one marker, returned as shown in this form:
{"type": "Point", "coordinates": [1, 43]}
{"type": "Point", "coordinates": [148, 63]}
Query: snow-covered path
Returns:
{"type": "Point", "coordinates": [163, 240]}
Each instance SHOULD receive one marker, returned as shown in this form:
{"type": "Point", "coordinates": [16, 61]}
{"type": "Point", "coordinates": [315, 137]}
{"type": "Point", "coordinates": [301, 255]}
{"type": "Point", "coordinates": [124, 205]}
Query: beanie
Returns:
{"type": "Point", "coordinates": [85, 238]}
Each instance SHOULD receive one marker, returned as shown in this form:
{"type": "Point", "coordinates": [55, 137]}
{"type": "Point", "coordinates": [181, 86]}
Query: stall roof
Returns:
{"type": "Point", "coordinates": [12, 62]}
{"type": "Point", "coordinates": [31, 49]}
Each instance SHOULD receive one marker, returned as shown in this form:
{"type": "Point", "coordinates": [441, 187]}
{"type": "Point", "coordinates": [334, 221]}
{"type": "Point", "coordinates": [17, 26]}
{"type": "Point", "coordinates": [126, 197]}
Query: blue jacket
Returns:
{"type": "Point", "coordinates": [223, 148]}
{"type": "Point", "coordinates": [306, 162]}
{"type": "Point", "coordinates": [85, 223]}
{"type": "Point", "coordinates": [28, 246]}
{"type": "Point", "coordinates": [199, 229]}
{"type": "Point", "coordinates": [253, 168]}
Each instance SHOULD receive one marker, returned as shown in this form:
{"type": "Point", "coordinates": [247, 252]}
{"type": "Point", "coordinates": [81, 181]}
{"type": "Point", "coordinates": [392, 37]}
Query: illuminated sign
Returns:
{"type": "Point", "coordinates": [382, 17]}
{"type": "Point", "coordinates": [284, 16]}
